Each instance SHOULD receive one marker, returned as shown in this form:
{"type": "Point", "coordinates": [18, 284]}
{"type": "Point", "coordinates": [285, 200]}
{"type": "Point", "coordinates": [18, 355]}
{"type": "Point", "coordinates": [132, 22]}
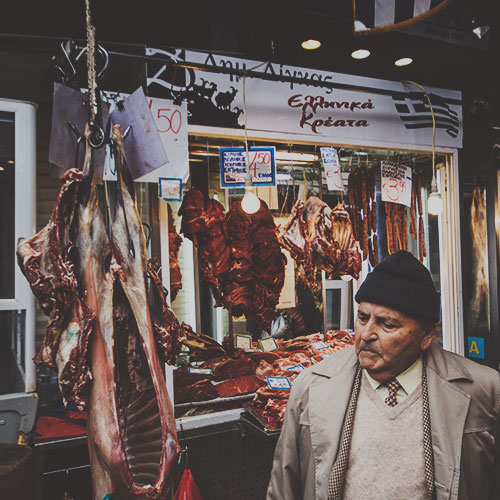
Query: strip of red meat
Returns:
{"type": "Point", "coordinates": [203, 390]}
{"type": "Point", "coordinates": [240, 385]}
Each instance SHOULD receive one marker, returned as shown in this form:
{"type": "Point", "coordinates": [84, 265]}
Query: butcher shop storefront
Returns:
{"type": "Point", "coordinates": [257, 209]}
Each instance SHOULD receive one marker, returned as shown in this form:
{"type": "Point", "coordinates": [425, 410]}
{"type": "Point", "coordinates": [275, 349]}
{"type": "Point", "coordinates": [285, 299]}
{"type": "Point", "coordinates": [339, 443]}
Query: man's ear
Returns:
{"type": "Point", "coordinates": [428, 337]}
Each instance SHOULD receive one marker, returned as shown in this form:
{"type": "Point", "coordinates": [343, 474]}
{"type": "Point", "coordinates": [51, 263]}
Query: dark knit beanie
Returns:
{"type": "Point", "coordinates": [403, 283]}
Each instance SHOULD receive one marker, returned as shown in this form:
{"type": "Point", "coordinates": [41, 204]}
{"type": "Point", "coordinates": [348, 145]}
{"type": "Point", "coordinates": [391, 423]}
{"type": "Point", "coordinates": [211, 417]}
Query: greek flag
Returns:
{"type": "Point", "coordinates": [384, 15]}
{"type": "Point", "coordinates": [414, 112]}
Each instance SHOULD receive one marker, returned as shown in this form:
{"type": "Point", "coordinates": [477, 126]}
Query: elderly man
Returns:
{"type": "Point", "coordinates": [394, 417]}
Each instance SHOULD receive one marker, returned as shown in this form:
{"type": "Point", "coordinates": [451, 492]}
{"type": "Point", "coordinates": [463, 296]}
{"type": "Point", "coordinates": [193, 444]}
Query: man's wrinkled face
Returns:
{"type": "Point", "coordinates": [387, 341]}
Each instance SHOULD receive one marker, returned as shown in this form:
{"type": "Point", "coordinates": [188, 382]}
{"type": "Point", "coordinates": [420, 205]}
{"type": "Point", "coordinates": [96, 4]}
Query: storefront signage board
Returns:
{"type": "Point", "coordinates": [261, 163]}
{"type": "Point", "coordinates": [396, 183]}
{"type": "Point", "coordinates": [333, 173]}
{"type": "Point", "coordinates": [315, 112]}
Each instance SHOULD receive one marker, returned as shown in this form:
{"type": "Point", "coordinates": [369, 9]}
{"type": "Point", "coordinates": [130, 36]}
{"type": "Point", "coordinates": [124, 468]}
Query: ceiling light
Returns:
{"type": "Point", "coordinates": [404, 61]}
{"type": "Point", "coordinates": [284, 156]}
{"type": "Point", "coordinates": [1, 169]}
{"type": "Point", "coordinates": [360, 54]}
{"type": "Point", "coordinates": [204, 153]}
{"type": "Point", "coordinates": [10, 161]}
{"type": "Point", "coordinates": [311, 44]}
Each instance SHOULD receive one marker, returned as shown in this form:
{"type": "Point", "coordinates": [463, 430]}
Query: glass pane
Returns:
{"type": "Point", "coordinates": [333, 308]}
{"type": "Point", "coordinates": [12, 351]}
{"type": "Point", "coordinates": [7, 201]}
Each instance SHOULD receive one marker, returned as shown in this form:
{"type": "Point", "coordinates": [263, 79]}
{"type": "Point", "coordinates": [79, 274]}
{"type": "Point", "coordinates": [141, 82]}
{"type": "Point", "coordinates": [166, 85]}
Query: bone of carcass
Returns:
{"type": "Point", "coordinates": [45, 260]}
{"type": "Point", "coordinates": [132, 440]}
{"type": "Point", "coordinates": [202, 346]}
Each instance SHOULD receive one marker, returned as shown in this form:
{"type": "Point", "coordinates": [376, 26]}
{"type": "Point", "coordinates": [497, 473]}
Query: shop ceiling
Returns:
{"type": "Point", "coordinates": [267, 30]}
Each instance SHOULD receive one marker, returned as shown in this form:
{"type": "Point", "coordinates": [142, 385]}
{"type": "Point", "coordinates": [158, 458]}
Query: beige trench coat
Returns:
{"type": "Point", "coordinates": [464, 402]}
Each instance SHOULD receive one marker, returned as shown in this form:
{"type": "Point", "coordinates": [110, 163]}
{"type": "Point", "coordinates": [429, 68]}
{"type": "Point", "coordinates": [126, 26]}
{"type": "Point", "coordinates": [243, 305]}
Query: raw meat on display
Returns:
{"type": "Point", "coordinates": [174, 244]}
{"type": "Point", "coordinates": [319, 238]}
{"type": "Point", "coordinates": [93, 287]}
{"type": "Point", "coordinates": [237, 386]}
{"type": "Point", "coordinates": [46, 261]}
{"type": "Point", "coordinates": [202, 346]}
{"type": "Point", "coordinates": [239, 255]}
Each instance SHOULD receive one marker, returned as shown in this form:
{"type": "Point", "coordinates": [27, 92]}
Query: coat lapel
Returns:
{"type": "Point", "coordinates": [328, 398]}
{"type": "Point", "coordinates": [448, 411]}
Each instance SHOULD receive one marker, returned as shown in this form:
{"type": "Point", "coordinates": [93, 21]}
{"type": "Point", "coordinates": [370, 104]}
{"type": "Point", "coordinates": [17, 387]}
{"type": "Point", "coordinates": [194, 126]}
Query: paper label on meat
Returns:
{"type": "Point", "coordinates": [279, 383]}
{"type": "Point", "coordinates": [243, 342]}
{"type": "Point", "coordinates": [333, 171]}
{"type": "Point", "coordinates": [200, 371]}
{"type": "Point", "coordinates": [297, 368]}
{"type": "Point", "coordinates": [269, 344]}
{"type": "Point", "coordinates": [396, 183]}
{"type": "Point", "coordinates": [319, 345]}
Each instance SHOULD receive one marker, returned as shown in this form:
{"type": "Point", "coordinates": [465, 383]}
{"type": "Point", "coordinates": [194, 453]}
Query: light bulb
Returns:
{"type": "Point", "coordinates": [250, 203]}
{"type": "Point", "coordinates": [346, 277]}
{"type": "Point", "coordinates": [434, 203]}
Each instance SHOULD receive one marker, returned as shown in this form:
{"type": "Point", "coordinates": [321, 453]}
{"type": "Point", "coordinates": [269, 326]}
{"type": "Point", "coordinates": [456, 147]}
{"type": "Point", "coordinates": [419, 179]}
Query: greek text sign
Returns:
{"type": "Point", "coordinates": [396, 183]}
{"type": "Point", "coordinates": [348, 116]}
{"type": "Point", "coordinates": [233, 164]}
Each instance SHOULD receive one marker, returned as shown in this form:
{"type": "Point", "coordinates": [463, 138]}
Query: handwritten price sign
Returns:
{"type": "Point", "coordinates": [396, 183]}
{"type": "Point", "coordinates": [333, 172]}
{"type": "Point", "coordinates": [261, 164]}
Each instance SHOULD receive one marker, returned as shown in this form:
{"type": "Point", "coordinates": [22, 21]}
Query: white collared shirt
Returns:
{"type": "Point", "coordinates": [408, 380]}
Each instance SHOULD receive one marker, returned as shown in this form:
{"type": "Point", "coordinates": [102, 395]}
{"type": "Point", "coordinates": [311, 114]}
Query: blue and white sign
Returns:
{"type": "Point", "coordinates": [200, 371]}
{"type": "Point", "coordinates": [279, 383]}
{"type": "Point", "coordinates": [297, 368]}
{"type": "Point", "coordinates": [319, 345]}
{"type": "Point", "coordinates": [476, 347]}
{"type": "Point", "coordinates": [261, 163]}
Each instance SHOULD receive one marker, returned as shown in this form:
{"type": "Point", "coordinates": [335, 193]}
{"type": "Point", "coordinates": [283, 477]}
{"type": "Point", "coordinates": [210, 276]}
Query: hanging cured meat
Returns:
{"type": "Point", "coordinates": [318, 237]}
{"type": "Point", "coordinates": [363, 211]}
{"type": "Point", "coordinates": [257, 267]}
{"type": "Point", "coordinates": [204, 223]}
{"type": "Point", "coordinates": [239, 255]}
{"type": "Point", "coordinates": [93, 286]}
{"type": "Point", "coordinates": [478, 232]}
{"type": "Point", "coordinates": [46, 261]}
{"type": "Point", "coordinates": [174, 244]}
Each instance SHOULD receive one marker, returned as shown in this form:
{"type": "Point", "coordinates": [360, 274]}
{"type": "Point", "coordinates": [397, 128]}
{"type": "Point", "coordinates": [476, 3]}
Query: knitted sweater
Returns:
{"type": "Point", "coordinates": [386, 460]}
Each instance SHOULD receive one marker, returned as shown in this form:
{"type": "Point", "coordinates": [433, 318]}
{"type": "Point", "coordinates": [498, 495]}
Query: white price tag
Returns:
{"type": "Point", "coordinates": [170, 189]}
{"type": "Point", "coordinates": [396, 183]}
{"type": "Point", "coordinates": [332, 166]}
{"type": "Point", "coordinates": [268, 344]}
{"type": "Point", "coordinates": [279, 383]}
{"type": "Point", "coordinates": [243, 342]}
{"type": "Point", "coordinates": [297, 368]}
{"type": "Point", "coordinates": [318, 345]}
{"type": "Point", "coordinates": [200, 371]}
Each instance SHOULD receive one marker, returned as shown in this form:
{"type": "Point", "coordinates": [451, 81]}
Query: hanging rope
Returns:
{"type": "Point", "coordinates": [91, 73]}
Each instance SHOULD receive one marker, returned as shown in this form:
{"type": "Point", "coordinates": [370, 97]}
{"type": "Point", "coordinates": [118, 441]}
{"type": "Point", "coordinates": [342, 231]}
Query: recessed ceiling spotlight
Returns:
{"type": "Point", "coordinates": [311, 44]}
{"type": "Point", "coordinates": [360, 54]}
{"type": "Point", "coordinates": [404, 61]}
